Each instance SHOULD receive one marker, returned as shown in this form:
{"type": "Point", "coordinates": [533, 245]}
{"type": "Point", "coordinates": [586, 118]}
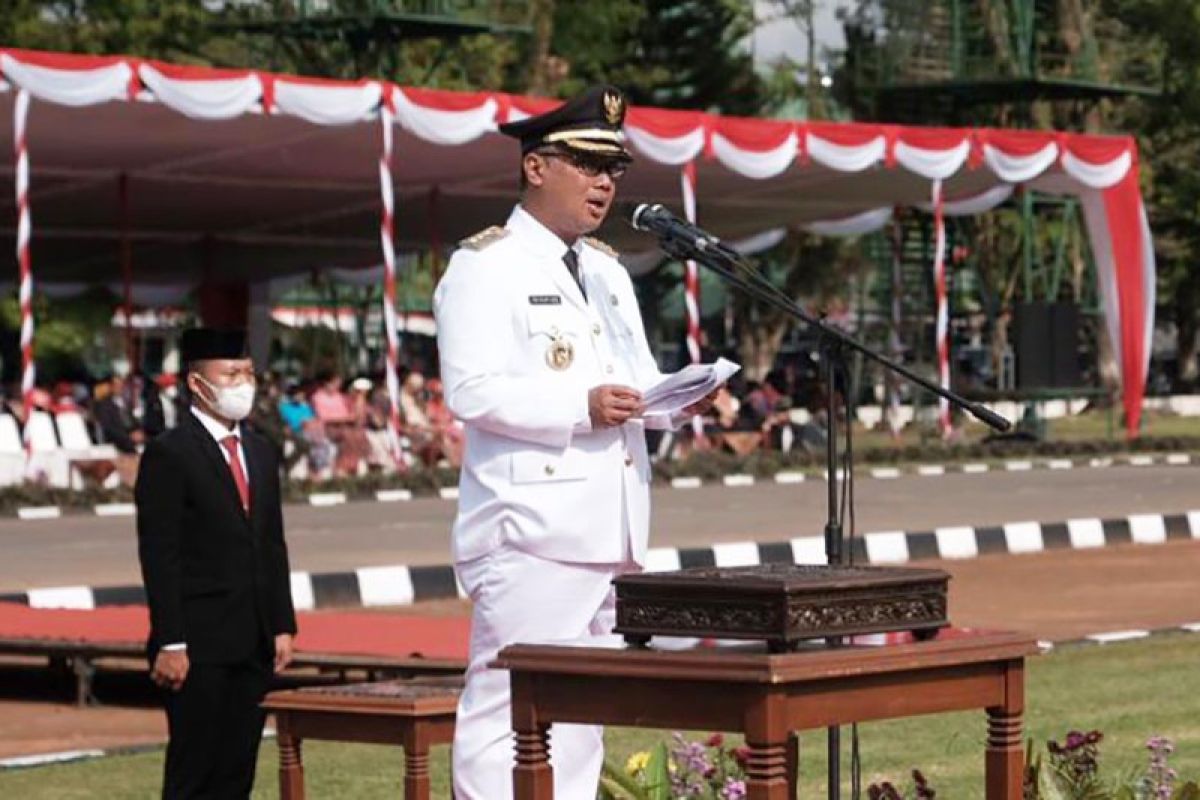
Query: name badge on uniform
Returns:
{"type": "Point", "coordinates": [545, 300]}
{"type": "Point", "coordinates": [561, 354]}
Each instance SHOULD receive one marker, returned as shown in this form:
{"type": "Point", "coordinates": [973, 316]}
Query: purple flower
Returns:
{"type": "Point", "coordinates": [1160, 779]}
{"type": "Point", "coordinates": [733, 790]}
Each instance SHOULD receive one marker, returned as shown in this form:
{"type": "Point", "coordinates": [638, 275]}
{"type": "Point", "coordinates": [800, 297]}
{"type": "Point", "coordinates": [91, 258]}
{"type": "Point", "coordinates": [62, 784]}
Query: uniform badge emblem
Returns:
{"type": "Point", "coordinates": [561, 354]}
{"type": "Point", "coordinates": [614, 108]}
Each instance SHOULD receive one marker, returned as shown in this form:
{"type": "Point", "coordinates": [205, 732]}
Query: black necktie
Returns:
{"type": "Point", "coordinates": [572, 262]}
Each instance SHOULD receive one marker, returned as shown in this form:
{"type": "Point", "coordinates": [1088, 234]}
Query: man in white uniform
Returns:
{"type": "Point", "coordinates": [542, 350]}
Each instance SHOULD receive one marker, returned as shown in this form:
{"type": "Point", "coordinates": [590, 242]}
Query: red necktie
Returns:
{"type": "Point", "coordinates": [235, 466]}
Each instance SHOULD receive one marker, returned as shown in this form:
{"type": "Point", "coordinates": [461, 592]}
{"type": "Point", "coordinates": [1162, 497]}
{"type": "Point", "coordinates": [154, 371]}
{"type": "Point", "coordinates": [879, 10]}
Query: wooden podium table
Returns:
{"type": "Point", "coordinates": [767, 697]}
{"type": "Point", "coordinates": [415, 713]}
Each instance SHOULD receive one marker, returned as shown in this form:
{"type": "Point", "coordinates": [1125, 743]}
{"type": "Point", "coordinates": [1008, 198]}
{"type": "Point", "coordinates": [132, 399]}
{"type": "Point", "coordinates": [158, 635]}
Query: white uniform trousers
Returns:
{"type": "Point", "coordinates": [520, 597]}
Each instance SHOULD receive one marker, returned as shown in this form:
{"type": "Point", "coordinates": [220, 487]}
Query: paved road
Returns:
{"type": "Point", "coordinates": [1056, 595]}
{"type": "Point", "coordinates": [100, 552]}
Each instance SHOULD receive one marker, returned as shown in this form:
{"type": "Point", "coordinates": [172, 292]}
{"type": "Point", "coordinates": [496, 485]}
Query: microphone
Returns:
{"type": "Point", "coordinates": [653, 218]}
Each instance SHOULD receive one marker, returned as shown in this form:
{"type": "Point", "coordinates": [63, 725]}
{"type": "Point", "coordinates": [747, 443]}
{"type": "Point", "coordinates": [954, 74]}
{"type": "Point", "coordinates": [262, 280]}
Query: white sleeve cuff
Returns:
{"type": "Point", "coordinates": [180, 646]}
{"type": "Point", "coordinates": [583, 423]}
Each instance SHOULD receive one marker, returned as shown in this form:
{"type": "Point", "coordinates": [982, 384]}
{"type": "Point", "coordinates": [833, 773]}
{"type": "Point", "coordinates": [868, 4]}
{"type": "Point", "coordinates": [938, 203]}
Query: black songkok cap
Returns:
{"type": "Point", "coordinates": [202, 344]}
{"type": "Point", "coordinates": [587, 123]}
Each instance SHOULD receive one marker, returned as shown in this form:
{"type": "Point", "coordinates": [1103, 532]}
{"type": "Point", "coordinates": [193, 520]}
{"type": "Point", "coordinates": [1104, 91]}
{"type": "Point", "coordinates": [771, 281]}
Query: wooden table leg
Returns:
{"type": "Point", "coordinates": [793, 764]}
{"type": "Point", "coordinates": [533, 778]}
{"type": "Point", "coordinates": [1004, 766]}
{"type": "Point", "coordinates": [767, 771]}
{"type": "Point", "coordinates": [416, 774]}
{"type": "Point", "coordinates": [291, 762]}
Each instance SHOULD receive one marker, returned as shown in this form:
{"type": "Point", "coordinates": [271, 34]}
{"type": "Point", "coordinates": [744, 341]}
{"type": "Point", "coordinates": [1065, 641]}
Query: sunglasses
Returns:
{"type": "Point", "coordinates": [591, 166]}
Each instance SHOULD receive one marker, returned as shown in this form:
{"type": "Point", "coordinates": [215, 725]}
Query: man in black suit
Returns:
{"type": "Point", "coordinates": [215, 566]}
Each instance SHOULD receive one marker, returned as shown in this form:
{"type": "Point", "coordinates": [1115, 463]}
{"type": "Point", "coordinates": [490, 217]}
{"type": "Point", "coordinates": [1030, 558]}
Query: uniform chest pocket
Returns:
{"type": "Point", "coordinates": [534, 467]}
{"type": "Point", "coordinates": [551, 322]}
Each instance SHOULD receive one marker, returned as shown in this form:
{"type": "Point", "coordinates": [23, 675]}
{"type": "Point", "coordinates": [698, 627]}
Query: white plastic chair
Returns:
{"type": "Point", "coordinates": [78, 446]}
{"type": "Point", "coordinates": [12, 452]}
{"type": "Point", "coordinates": [47, 458]}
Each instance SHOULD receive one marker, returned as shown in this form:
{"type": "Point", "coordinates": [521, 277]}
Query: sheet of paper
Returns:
{"type": "Point", "coordinates": [690, 384]}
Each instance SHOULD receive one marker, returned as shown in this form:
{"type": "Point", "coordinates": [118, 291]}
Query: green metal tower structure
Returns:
{"type": "Point", "coordinates": [365, 25]}
{"type": "Point", "coordinates": [1010, 63]}
{"type": "Point", "coordinates": [362, 21]}
{"type": "Point", "coordinates": [955, 61]}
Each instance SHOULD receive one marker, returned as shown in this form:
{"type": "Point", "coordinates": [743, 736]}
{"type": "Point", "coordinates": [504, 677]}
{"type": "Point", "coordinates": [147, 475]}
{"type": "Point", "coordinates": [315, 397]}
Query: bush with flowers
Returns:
{"type": "Point", "coordinates": [1071, 771]}
{"type": "Point", "coordinates": [707, 770]}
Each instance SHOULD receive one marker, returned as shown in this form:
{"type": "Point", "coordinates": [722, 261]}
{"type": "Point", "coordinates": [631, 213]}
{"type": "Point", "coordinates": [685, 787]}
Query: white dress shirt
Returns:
{"type": "Point", "coordinates": [220, 433]}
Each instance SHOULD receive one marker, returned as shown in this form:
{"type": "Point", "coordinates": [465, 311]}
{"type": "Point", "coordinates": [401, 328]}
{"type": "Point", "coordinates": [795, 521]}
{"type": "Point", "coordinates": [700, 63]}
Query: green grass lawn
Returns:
{"type": "Point", "coordinates": [1093, 426]}
{"type": "Point", "coordinates": [1130, 691]}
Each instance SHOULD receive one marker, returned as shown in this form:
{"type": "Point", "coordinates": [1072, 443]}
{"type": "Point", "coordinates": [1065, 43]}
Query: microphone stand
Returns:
{"type": "Point", "coordinates": [730, 266]}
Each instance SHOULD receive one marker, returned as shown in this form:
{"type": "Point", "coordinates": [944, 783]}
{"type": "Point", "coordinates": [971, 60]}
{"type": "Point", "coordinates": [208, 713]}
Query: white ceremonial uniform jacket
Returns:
{"type": "Point", "coordinates": [535, 474]}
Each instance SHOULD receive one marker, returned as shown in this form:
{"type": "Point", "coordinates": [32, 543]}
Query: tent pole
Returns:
{"type": "Point", "coordinates": [24, 228]}
{"type": "Point", "coordinates": [435, 231]}
{"type": "Point", "coordinates": [387, 244]}
{"type": "Point", "coordinates": [126, 254]}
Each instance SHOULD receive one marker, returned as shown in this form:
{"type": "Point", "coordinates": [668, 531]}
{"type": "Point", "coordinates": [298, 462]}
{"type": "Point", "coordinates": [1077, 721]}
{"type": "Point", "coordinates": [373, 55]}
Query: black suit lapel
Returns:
{"type": "Point", "coordinates": [212, 451]}
{"type": "Point", "coordinates": [254, 473]}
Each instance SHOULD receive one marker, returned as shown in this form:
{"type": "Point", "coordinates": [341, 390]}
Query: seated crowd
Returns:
{"type": "Point", "coordinates": [322, 429]}
{"type": "Point", "coordinates": [327, 429]}
{"type": "Point", "coordinates": [751, 415]}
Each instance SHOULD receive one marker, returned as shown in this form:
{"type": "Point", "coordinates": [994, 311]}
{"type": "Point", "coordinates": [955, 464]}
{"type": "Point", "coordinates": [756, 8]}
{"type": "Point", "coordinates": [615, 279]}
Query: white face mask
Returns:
{"type": "Point", "coordinates": [232, 402]}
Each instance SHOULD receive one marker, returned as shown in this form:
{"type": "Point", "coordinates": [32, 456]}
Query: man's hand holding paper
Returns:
{"type": "Point", "coordinates": [687, 388]}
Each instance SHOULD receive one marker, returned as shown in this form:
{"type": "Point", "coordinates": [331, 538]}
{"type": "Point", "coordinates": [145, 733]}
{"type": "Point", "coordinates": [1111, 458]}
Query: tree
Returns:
{"type": "Point", "coordinates": [671, 53]}
{"type": "Point", "coordinates": [174, 30]}
{"type": "Point", "coordinates": [812, 270]}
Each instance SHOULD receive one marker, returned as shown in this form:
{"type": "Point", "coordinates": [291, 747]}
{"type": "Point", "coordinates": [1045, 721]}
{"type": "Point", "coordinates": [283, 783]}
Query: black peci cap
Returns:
{"type": "Point", "coordinates": [202, 344]}
{"type": "Point", "coordinates": [587, 123]}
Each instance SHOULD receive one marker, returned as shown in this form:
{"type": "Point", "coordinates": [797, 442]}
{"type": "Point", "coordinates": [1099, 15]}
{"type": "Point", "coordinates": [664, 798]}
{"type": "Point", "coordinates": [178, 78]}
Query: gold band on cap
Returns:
{"type": "Point", "coordinates": [604, 148]}
{"type": "Point", "coordinates": [590, 133]}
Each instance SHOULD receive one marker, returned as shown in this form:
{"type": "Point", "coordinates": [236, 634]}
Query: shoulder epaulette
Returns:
{"type": "Point", "coordinates": [484, 238]}
{"type": "Point", "coordinates": [601, 246]}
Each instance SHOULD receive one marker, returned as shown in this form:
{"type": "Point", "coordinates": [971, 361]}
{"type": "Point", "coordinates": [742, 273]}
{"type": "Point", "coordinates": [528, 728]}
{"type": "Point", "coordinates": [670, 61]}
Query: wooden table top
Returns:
{"type": "Point", "coordinates": [416, 697]}
{"type": "Point", "coordinates": [752, 664]}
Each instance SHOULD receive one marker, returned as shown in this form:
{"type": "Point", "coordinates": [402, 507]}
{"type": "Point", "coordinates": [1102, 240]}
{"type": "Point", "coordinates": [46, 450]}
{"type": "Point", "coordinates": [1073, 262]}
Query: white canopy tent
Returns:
{"type": "Point", "coordinates": [218, 177]}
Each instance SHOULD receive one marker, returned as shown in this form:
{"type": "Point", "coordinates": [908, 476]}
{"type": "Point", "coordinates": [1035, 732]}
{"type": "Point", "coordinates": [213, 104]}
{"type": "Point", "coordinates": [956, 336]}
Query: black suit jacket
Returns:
{"type": "Point", "coordinates": [116, 424]}
{"type": "Point", "coordinates": [216, 577]}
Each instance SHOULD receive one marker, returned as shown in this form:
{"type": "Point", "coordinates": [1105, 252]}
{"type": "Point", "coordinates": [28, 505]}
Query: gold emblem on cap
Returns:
{"type": "Point", "coordinates": [561, 354]}
{"type": "Point", "coordinates": [614, 108]}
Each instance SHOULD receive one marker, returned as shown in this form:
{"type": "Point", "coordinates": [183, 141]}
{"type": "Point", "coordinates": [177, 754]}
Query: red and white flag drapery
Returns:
{"type": "Point", "coordinates": [1101, 170]}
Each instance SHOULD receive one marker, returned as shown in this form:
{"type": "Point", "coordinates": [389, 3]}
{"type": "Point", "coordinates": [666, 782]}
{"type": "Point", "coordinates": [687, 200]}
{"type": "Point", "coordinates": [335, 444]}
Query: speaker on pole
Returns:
{"type": "Point", "coordinates": [1047, 345]}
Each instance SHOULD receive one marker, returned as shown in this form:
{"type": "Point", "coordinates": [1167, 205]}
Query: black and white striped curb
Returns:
{"type": "Point", "coordinates": [402, 585]}
{"type": "Point", "coordinates": [71, 756]}
{"type": "Point", "coordinates": [397, 585]}
{"type": "Point", "coordinates": [964, 468]}
{"type": "Point", "coordinates": [331, 499]}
